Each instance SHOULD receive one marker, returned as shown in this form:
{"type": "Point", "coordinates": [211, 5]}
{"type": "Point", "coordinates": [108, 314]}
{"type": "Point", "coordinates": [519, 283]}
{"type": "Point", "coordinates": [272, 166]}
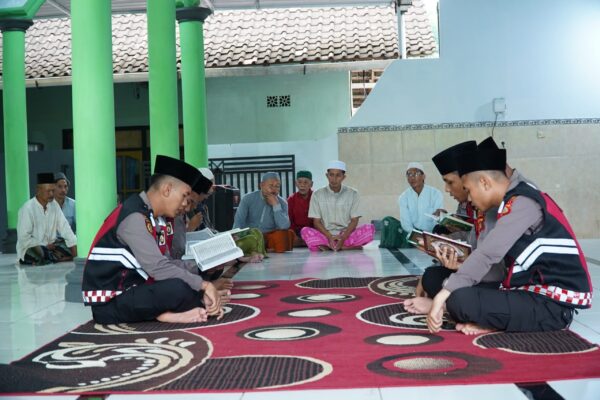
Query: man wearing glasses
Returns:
{"type": "Point", "coordinates": [418, 201]}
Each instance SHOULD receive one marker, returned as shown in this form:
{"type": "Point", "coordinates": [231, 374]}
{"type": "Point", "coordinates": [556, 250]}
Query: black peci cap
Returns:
{"type": "Point", "coordinates": [177, 169]}
{"type": "Point", "coordinates": [203, 185]}
{"type": "Point", "coordinates": [485, 159]}
{"type": "Point", "coordinates": [446, 160]}
{"type": "Point", "coordinates": [45, 177]}
{"type": "Point", "coordinates": [488, 143]}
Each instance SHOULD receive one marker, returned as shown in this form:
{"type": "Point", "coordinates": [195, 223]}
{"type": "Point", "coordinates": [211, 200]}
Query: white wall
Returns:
{"type": "Point", "coordinates": [542, 56]}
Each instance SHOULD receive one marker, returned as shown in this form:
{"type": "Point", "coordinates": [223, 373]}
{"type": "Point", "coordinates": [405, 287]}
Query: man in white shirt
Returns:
{"type": "Point", "coordinates": [418, 201]}
{"type": "Point", "coordinates": [66, 203]}
{"type": "Point", "coordinates": [334, 209]}
{"type": "Point", "coordinates": [40, 219]}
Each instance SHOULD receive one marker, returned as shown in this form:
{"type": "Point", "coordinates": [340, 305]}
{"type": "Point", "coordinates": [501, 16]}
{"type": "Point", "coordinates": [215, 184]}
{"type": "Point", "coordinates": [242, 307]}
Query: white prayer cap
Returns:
{"type": "Point", "coordinates": [416, 165]}
{"type": "Point", "coordinates": [337, 164]}
{"type": "Point", "coordinates": [207, 173]}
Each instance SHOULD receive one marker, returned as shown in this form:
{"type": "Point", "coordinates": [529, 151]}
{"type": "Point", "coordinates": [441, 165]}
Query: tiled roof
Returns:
{"type": "Point", "coordinates": [247, 38]}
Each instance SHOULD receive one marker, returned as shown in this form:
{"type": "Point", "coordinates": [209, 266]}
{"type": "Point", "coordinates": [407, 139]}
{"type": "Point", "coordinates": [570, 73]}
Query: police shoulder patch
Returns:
{"type": "Point", "coordinates": [507, 208]}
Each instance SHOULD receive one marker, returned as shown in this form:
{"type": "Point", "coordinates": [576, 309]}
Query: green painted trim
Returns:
{"type": "Point", "coordinates": [27, 10]}
{"type": "Point", "coordinates": [93, 117]}
{"type": "Point", "coordinates": [16, 161]}
{"type": "Point", "coordinates": [162, 77]}
{"type": "Point", "coordinates": [187, 3]}
{"type": "Point", "coordinates": [193, 93]}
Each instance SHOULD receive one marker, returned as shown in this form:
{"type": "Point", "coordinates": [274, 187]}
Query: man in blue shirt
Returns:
{"type": "Point", "coordinates": [415, 202]}
{"type": "Point", "coordinates": [266, 210]}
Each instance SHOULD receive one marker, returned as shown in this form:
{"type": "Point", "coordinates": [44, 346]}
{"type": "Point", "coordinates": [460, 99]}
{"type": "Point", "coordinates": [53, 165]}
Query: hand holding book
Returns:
{"type": "Point", "coordinates": [440, 246]}
{"type": "Point", "coordinates": [448, 257]}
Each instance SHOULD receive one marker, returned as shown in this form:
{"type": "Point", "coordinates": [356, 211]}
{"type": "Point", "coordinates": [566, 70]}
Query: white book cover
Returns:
{"type": "Point", "coordinates": [215, 251]}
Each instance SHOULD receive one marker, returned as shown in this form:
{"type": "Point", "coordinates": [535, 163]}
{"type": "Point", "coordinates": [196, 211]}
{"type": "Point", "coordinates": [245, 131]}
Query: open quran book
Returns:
{"type": "Point", "coordinates": [210, 249]}
{"type": "Point", "coordinates": [433, 242]}
{"type": "Point", "coordinates": [453, 222]}
{"type": "Point", "coordinates": [215, 251]}
{"type": "Point", "coordinates": [415, 237]}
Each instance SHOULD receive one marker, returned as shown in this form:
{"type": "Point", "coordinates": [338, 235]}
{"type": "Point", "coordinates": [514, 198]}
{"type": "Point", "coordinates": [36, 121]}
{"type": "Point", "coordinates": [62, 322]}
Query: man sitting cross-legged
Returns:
{"type": "Point", "coordinates": [433, 278]}
{"type": "Point", "coordinates": [40, 220]}
{"type": "Point", "coordinates": [298, 205]}
{"type": "Point", "coordinates": [267, 211]}
{"type": "Point", "coordinates": [431, 282]}
{"type": "Point", "coordinates": [546, 272]}
{"type": "Point", "coordinates": [334, 209]}
{"type": "Point", "coordinates": [129, 277]}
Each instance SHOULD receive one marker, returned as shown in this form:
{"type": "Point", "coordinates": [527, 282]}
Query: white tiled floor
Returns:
{"type": "Point", "coordinates": [33, 312]}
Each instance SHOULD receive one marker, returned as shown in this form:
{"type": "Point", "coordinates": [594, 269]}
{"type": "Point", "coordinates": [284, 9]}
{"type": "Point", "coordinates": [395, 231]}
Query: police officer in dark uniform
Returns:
{"type": "Point", "coordinates": [546, 273]}
{"type": "Point", "coordinates": [129, 275]}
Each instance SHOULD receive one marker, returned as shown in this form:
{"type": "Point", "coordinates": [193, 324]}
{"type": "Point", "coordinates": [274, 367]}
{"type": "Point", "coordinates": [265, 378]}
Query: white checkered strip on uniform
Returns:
{"type": "Point", "coordinates": [99, 296]}
{"type": "Point", "coordinates": [562, 295]}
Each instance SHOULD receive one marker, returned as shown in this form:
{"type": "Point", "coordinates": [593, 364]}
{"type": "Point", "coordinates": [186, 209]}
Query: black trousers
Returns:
{"type": "Point", "coordinates": [509, 310]}
{"type": "Point", "coordinates": [146, 302]}
{"type": "Point", "coordinates": [434, 277]}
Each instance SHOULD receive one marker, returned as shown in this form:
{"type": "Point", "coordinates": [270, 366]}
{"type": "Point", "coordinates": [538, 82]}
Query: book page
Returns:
{"type": "Point", "coordinates": [454, 224]}
{"type": "Point", "coordinates": [215, 251]}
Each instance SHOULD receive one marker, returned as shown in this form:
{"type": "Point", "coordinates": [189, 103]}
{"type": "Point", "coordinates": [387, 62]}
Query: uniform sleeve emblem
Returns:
{"type": "Point", "coordinates": [479, 223]}
{"type": "Point", "coordinates": [507, 207]}
{"type": "Point", "coordinates": [148, 225]}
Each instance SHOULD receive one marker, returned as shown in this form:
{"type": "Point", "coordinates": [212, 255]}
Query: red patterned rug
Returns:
{"type": "Point", "coordinates": [305, 334]}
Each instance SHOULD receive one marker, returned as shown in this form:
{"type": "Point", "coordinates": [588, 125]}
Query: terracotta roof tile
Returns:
{"type": "Point", "coordinates": [248, 37]}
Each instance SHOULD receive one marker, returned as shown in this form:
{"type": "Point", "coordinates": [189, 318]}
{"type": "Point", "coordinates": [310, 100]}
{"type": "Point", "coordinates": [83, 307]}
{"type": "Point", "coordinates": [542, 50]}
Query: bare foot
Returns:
{"type": "Point", "coordinates": [253, 259]}
{"type": "Point", "coordinates": [256, 258]}
{"type": "Point", "coordinates": [352, 247]}
{"type": "Point", "coordinates": [223, 283]}
{"type": "Point", "coordinates": [324, 248]}
{"type": "Point", "coordinates": [187, 317]}
{"type": "Point", "coordinates": [225, 296]}
{"type": "Point", "coordinates": [472, 329]}
{"type": "Point", "coordinates": [418, 305]}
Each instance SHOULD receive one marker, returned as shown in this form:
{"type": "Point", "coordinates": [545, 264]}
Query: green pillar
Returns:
{"type": "Point", "coordinates": [193, 87]}
{"type": "Point", "coordinates": [16, 162]}
{"type": "Point", "coordinates": [93, 117]}
{"type": "Point", "coordinates": [162, 77]}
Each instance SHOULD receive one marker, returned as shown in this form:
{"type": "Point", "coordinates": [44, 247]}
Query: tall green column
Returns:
{"type": "Point", "coordinates": [93, 117]}
{"type": "Point", "coordinates": [162, 77]}
{"type": "Point", "coordinates": [193, 87]}
{"type": "Point", "coordinates": [16, 162]}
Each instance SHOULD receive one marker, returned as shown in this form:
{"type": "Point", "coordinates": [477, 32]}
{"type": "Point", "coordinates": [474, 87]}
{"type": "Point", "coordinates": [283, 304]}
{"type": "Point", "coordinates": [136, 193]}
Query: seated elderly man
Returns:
{"type": "Point", "coordinates": [66, 203]}
{"type": "Point", "coordinates": [40, 219]}
{"type": "Point", "coordinates": [264, 209]}
{"type": "Point", "coordinates": [416, 203]}
{"type": "Point", "coordinates": [334, 209]}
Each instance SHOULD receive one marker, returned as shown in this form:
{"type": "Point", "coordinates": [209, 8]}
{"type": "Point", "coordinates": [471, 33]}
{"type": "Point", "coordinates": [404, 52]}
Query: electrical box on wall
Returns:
{"type": "Point", "coordinates": [499, 105]}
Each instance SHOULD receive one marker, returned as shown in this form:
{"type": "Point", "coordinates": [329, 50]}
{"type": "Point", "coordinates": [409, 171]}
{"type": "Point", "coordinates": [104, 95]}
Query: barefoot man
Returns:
{"type": "Point", "coordinates": [546, 273]}
{"type": "Point", "coordinates": [129, 276]}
